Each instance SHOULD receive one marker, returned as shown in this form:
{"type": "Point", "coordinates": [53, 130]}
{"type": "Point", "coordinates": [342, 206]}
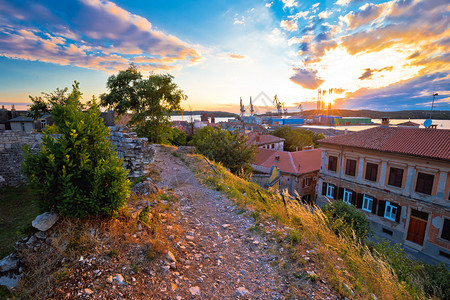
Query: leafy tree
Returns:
{"type": "Point", "coordinates": [78, 173]}
{"type": "Point", "coordinates": [151, 101]}
{"type": "Point", "coordinates": [178, 137]}
{"type": "Point", "coordinates": [296, 137]}
{"type": "Point", "coordinates": [344, 218]}
{"type": "Point", "coordinates": [230, 149]}
{"type": "Point", "coordinates": [43, 105]}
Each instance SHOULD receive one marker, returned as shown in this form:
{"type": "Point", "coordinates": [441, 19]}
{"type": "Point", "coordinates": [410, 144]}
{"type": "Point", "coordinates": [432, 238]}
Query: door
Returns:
{"type": "Point", "coordinates": [417, 227]}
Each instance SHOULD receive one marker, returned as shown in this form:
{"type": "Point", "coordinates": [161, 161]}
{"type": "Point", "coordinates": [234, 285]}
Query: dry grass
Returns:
{"type": "Point", "coordinates": [347, 265]}
{"type": "Point", "coordinates": [122, 241]}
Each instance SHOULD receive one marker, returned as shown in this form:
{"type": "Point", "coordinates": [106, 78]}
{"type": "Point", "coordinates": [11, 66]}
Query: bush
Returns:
{"type": "Point", "coordinates": [230, 149]}
{"type": "Point", "coordinates": [344, 218]}
{"type": "Point", "coordinates": [433, 280]}
{"type": "Point", "coordinates": [77, 174]}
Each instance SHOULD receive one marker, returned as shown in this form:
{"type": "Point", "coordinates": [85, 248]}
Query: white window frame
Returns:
{"type": "Point", "coordinates": [389, 211]}
{"type": "Point", "coordinates": [306, 181]}
{"type": "Point", "coordinates": [367, 203]}
{"type": "Point", "coordinates": [330, 191]}
{"type": "Point", "coordinates": [347, 197]}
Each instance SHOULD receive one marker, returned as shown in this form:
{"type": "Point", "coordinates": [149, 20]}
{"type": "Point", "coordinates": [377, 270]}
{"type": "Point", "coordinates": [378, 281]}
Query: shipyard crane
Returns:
{"type": "Point", "coordinates": [278, 105]}
{"type": "Point", "coordinates": [242, 109]}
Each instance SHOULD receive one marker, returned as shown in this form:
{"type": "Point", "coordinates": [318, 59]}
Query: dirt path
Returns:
{"type": "Point", "coordinates": [217, 256]}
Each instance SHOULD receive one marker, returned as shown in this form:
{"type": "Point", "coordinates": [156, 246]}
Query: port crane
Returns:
{"type": "Point", "coordinates": [279, 105]}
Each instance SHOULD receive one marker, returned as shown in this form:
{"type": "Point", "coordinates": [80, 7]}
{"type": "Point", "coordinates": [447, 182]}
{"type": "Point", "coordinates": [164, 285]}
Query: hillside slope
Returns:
{"type": "Point", "coordinates": [192, 232]}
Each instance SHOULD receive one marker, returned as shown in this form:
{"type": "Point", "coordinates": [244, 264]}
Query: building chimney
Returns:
{"type": "Point", "coordinates": [277, 158]}
{"type": "Point", "coordinates": [385, 122]}
{"type": "Point", "coordinates": [213, 119]}
{"type": "Point", "coordinates": [258, 138]}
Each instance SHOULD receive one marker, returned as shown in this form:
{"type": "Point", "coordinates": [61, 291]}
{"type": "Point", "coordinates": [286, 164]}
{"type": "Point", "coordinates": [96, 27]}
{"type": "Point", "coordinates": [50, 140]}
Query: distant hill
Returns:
{"type": "Point", "coordinates": [217, 114]}
{"type": "Point", "coordinates": [403, 114]}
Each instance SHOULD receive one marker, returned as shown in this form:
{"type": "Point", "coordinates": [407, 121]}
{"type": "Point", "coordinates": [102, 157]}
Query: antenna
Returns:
{"type": "Point", "coordinates": [432, 103]}
{"type": "Point", "coordinates": [428, 122]}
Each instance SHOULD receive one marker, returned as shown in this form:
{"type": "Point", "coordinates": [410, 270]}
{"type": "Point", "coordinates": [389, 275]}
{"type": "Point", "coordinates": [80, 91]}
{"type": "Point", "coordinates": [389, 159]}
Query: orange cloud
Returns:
{"type": "Point", "coordinates": [104, 37]}
{"type": "Point", "coordinates": [289, 25]}
{"type": "Point", "coordinates": [237, 56]}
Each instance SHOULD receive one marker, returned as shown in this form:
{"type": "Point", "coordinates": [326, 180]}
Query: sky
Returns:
{"type": "Point", "coordinates": [380, 55]}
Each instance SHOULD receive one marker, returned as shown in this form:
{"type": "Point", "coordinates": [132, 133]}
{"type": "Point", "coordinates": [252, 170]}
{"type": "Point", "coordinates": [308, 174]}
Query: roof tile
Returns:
{"type": "Point", "coordinates": [425, 142]}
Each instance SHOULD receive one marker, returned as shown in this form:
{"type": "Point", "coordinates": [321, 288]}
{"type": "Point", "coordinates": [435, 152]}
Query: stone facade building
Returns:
{"type": "Point", "coordinates": [399, 177]}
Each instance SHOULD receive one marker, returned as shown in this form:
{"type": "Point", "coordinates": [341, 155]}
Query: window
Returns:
{"type": "Point", "coordinates": [395, 177]}
{"type": "Point", "coordinates": [22, 125]}
{"type": "Point", "coordinates": [387, 231]}
{"type": "Point", "coordinates": [446, 230]}
{"type": "Point", "coordinates": [424, 183]}
{"type": "Point", "coordinates": [306, 182]}
{"type": "Point", "coordinates": [371, 172]}
{"type": "Point", "coordinates": [43, 123]}
{"type": "Point", "coordinates": [332, 163]}
{"type": "Point", "coordinates": [367, 203]}
{"type": "Point", "coordinates": [330, 191]}
{"type": "Point", "coordinates": [390, 211]}
{"type": "Point", "coordinates": [347, 197]}
{"type": "Point", "coordinates": [350, 167]}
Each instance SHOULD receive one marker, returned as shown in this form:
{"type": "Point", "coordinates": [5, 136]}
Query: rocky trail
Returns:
{"type": "Point", "coordinates": [218, 256]}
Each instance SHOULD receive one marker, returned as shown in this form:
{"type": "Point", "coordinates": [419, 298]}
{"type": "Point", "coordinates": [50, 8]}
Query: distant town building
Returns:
{"type": "Point", "coordinates": [27, 124]}
{"type": "Point", "coordinates": [266, 141]}
{"type": "Point", "coordinates": [399, 177]}
{"type": "Point", "coordinates": [298, 170]}
{"type": "Point", "coordinates": [408, 124]}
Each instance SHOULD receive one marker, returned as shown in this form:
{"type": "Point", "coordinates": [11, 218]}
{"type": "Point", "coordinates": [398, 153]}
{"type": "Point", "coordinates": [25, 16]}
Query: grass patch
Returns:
{"type": "Point", "coordinates": [17, 211]}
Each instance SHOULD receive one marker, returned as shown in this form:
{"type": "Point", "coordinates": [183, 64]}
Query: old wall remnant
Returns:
{"type": "Point", "coordinates": [136, 152]}
{"type": "Point", "coordinates": [11, 154]}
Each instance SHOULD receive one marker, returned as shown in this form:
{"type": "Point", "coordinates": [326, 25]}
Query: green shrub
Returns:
{"type": "Point", "coordinates": [77, 174]}
{"type": "Point", "coordinates": [433, 280]}
{"type": "Point", "coordinates": [344, 218]}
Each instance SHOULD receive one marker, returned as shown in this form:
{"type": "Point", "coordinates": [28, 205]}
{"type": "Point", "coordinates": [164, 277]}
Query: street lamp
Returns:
{"type": "Point", "coordinates": [432, 103]}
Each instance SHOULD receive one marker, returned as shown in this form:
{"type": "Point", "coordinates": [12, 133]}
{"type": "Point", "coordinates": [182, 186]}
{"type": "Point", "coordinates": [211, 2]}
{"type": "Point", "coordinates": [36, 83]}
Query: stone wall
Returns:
{"type": "Point", "coordinates": [11, 154]}
{"type": "Point", "coordinates": [136, 152]}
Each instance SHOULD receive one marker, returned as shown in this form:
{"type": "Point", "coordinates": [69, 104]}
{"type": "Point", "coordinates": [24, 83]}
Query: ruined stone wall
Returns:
{"type": "Point", "coordinates": [11, 154]}
{"type": "Point", "coordinates": [136, 152]}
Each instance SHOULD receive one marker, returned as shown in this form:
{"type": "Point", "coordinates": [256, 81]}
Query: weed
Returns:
{"type": "Point", "coordinates": [135, 268]}
{"type": "Point", "coordinates": [255, 215]}
{"type": "Point", "coordinates": [294, 236]}
{"type": "Point", "coordinates": [176, 154]}
{"type": "Point", "coordinates": [61, 274]}
{"type": "Point", "coordinates": [257, 229]}
{"type": "Point", "coordinates": [312, 276]}
{"type": "Point", "coordinates": [145, 216]}
{"type": "Point", "coordinates": [137, 180]}
{"type": "Point", "coordinates": [113, 253]}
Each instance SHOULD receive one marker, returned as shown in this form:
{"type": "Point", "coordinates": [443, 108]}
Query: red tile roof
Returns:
{"type": "Point", "coordinates": [424, 142]}
{"type": "Point", "coordinates": [297, 162]}
{"type": "Point", "coordinates": [252, 139]}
